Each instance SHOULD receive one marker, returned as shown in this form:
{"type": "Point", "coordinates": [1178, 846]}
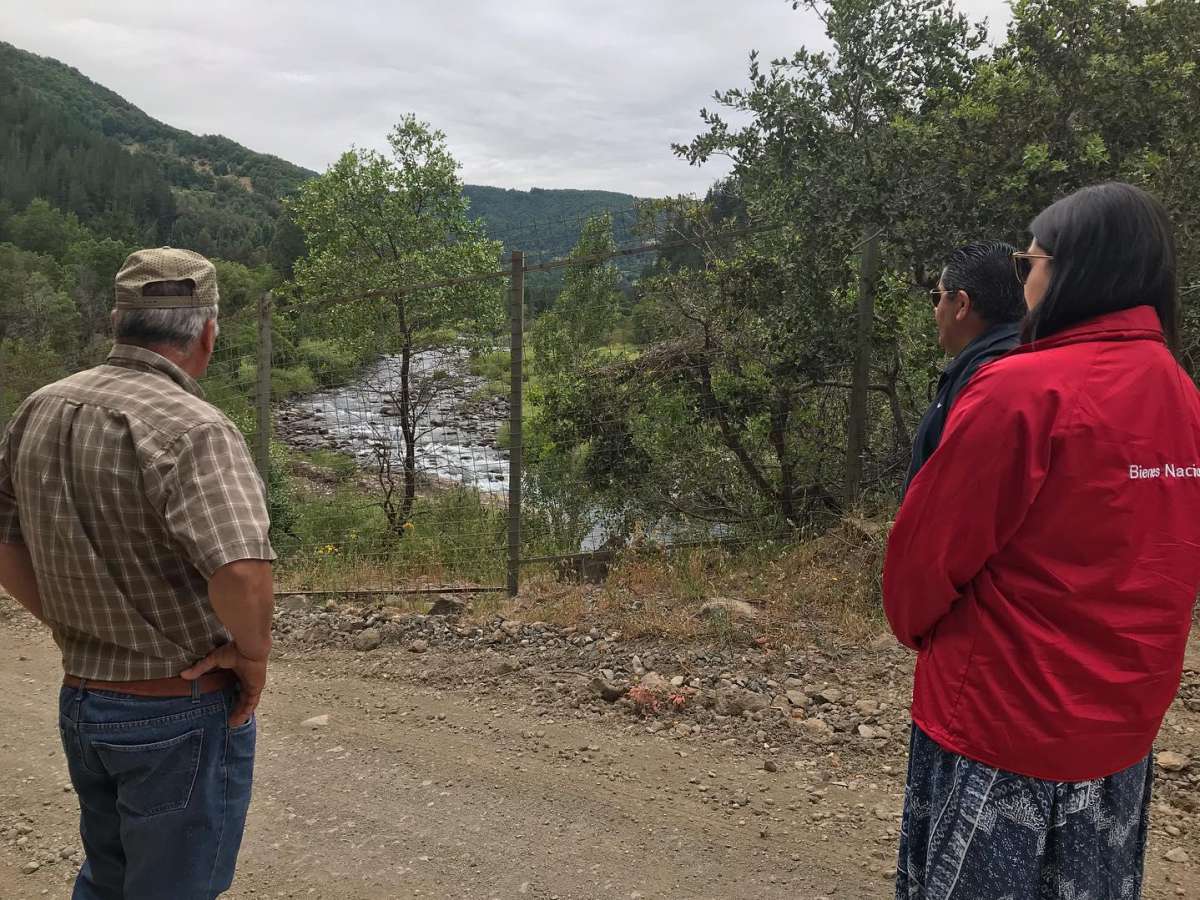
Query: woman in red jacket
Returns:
{"type": "Point", "coordinates": [1044, 564]}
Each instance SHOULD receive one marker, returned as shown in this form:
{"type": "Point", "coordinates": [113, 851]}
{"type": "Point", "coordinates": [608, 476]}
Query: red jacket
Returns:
{"type": "Point", "coordinates": [1046, 560]}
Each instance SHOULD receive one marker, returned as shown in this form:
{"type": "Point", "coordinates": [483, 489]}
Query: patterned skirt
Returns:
{"type": "Point", "coordinates": [972, 832]}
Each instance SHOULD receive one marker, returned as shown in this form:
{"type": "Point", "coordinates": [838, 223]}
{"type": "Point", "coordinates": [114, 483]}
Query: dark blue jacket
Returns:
{"type": "Point", "coordinates": [992, 344]}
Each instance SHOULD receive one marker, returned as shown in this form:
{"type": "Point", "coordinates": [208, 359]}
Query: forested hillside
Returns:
{"type": "Point", "coordinates": [89, 151]}
{"type": "Point", "coordinates": [546, 222]}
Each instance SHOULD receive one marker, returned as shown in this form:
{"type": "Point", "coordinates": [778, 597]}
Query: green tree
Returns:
{"type": "Point", "coordinates": [43, 229]}
{"type": "Point", "coordinates": [1081, 91]}
{"type": "Point", "coordinates": [374, 226]}
{"type": "Point", "coordinates": [825, 153]}
{"type": "Point", "coordinates": [92, 264]}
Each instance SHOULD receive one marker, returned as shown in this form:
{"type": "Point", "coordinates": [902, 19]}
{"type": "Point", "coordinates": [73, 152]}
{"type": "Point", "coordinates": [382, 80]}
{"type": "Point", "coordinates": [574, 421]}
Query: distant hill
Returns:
{"type": "Point", "coordinates": [89, 151]}
{"type": "Point", "coordinates": [546, 222]}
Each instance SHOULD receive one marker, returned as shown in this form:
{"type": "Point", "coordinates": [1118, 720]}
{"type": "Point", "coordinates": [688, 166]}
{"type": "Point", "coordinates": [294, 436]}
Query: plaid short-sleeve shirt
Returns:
{"type": "Point", "coordinates": [130, 491]}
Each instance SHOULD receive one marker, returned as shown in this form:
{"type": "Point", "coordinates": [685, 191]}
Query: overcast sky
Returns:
{"type": "Point", "coordinates": [545, 93]}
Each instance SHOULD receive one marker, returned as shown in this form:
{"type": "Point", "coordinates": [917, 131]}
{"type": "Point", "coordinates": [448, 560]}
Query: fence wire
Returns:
{"type": "Point", "coordinates": [657, 412]}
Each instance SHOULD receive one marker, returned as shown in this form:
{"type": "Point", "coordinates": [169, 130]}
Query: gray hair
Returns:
{"type": "Point", "coordinates": [179, 328]}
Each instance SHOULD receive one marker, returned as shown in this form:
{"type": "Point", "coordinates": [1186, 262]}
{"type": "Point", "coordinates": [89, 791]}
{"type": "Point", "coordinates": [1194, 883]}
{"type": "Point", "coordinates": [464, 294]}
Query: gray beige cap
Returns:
{"type": "Point", "coordinates": [166, 264]}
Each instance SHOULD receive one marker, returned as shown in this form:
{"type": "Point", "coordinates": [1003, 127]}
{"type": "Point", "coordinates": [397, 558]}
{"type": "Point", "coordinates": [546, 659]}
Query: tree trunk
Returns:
{"type": "Point", "coordinates": [860, 380]}
{"type": "Point", "coordinates": [780, 412]}
{"type": "Point", "coordinates": [408, 429]}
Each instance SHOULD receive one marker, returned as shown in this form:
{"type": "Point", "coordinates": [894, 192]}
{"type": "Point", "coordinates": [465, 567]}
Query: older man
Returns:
{"type": "Point", "coordinates": [978, 305]}
{"type": "Point", "coordinates": [133, 524]}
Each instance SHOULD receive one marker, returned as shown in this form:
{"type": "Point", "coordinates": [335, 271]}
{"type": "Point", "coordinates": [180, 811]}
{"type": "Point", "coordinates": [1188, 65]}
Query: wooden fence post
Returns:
{"type": "Point", "coordinates": [516, 304]}
{"type": "Point", "coordinates": [860, 380]}
{"type": "Point", "coordinates": [262, 390]}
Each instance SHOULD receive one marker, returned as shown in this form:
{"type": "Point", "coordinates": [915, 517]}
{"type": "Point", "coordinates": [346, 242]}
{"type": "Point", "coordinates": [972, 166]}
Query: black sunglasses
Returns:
{"type": "Point", "coordinates": [935, 295]}
{"type": "Point", "coordinates": [1023, 263]}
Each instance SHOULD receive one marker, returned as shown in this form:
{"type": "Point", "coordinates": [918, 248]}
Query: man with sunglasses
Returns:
{"type": "Point", "coordinates": [978, 306]}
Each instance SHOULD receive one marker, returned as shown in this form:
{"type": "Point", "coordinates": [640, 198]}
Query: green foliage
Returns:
{"type": "Point", "coordinates": [92, 153]}
{"type": "Point", "coordinates": [288, 381]}
{"type": "Point", "coordinates": [337, 541]}
{"type": "Point", "coordinates": [342, 465]}
{"type": "Point", "coordinates": [43, 229]}
{"type": "Point", "coordinates": [282, 501]}
{"type": "Point", "coordinates": [25, 367]}
{"type": "Point", "coordinates": [559, 215]}
{"type": "Point", "coordinates": [375, 224]}
{"type": "Point", "coordinates": [331, 362]}
{"type": "Point", "coordinates": [496, 368]}
{"type": "Point", "coordinates": [588, 307]}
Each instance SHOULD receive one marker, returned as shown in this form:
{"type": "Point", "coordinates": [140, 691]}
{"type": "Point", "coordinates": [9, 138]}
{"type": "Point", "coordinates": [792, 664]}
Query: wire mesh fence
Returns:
{"type": "Point", "coordinates": [635, 406]}
{"type": "Point", "coordinates": [631, 394]}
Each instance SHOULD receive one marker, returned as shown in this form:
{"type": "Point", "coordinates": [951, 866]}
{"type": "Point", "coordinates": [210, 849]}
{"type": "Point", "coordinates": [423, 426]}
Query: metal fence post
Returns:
{"type": "Point", "coordinates": [262, 390]}
{"type": "Point", "coordinates": [516, 304]}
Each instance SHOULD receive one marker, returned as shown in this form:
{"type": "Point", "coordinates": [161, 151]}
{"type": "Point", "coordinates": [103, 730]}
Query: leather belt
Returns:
{"type": "Point", "coordinates": [158, 687]}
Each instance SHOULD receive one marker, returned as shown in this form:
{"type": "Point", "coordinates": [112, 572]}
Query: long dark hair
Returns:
{"type": "Point", "coordinates": [1113, 249]}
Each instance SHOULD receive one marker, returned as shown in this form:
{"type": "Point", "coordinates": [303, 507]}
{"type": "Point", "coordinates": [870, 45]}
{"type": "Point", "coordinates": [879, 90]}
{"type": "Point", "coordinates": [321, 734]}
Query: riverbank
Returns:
{"type": "Point", "coordinates": [460, 421]}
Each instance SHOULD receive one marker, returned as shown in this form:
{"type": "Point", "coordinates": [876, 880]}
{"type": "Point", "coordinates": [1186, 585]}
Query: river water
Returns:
{"type": "Point", "coordinates": [457, 434]}
{"type": "Point", "coordinates": [457, 431]}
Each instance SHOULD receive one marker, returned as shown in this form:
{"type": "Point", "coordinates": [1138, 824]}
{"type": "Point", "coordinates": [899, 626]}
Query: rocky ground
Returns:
{"type": "Point", "coordinates": [408, 755]}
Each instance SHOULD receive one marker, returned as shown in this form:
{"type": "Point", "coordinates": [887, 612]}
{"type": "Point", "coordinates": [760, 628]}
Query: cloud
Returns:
{"type": "Point", "coordinates": [585, 94]}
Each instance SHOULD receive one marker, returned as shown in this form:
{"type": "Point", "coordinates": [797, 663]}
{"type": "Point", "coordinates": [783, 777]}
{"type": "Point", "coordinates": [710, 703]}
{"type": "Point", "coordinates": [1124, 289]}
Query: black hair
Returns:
{"type": "Point", "coordinates": [984, 271]}
{"type": "Point", "coordinates": [1112, 249]}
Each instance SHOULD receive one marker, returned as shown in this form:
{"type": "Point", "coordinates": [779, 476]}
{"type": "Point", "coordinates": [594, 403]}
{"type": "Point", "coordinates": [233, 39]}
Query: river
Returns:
{"type": "Point", "coordinates": [457, 432]}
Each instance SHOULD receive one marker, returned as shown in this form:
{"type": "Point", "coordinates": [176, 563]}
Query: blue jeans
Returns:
{"type": "Point", "coordinates": [163, 785]}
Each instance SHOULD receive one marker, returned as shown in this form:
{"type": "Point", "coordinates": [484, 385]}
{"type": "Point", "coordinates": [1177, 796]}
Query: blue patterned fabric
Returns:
{"type": "Point", "coordinates": [971, 832]}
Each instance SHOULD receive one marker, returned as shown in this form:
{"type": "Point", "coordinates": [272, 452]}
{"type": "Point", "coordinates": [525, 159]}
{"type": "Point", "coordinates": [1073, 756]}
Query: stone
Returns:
{"type": "Point", "coordinates": [654, 682]}
{"type": "Point", "coordinates": [867, 731]}
{"type": "Point", "coordinates": [867, 707]}
{"type": "Point", "coordinates": [829, 695]}
{"type": "Point", "coordinates": [1176, 855]}
{"type": "Point", "coordinates": [678, 681]}
{"type": "Point", "coordinates": [418, 646]}
{"type": "Point", "coordinates": [316, 722]}
{"type": "Point", "coordinates": [734, 701]}
{"type": "Point", "coordinates": [366, 640]}
{"type": "Point", "coordinates": [884, 641]}
{"type": "Point", "coordinates": [1170, 761]}
{"type": "Point", "coordinates": [317, 634]}
{"type": "Point", "coordinates": [511, 627]}
{"type": "Point", "coordinates": [606, 691]}
{"type": "Point", "coordinates": [884, 814]}
{"type": "Point", "coordinates": [815, 727]}
{"type": "Point", "coordinates": [797, 698]}
{"type": "Point", "coordinates": [770, 766]}
{"type": "Point", "coordinates": [30, 867]}
{"type": "Point", "coordinates": [447, 608]}
{"type": "Point", "coordinates": [292, 602]}
{"type": "Point", "coordinates": [723, 608]}
{"type": "Point", "coordinates": [502, 666]}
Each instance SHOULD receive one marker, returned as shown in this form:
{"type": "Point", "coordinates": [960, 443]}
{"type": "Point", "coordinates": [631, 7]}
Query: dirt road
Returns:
{"type": "Point", "coordinates": [415, 790]}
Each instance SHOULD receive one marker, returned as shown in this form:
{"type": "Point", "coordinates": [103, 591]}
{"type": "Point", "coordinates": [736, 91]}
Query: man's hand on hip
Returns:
{"type": "Point", "coordinates": [252, 673]}
{"type": "Point", "coordinates": [242, 597]}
